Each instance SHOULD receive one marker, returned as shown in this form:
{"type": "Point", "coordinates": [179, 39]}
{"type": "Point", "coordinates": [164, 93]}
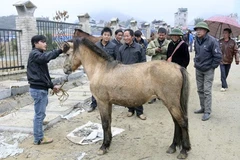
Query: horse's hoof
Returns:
{"type": "Point", "coordinates": [182, 156]}
{"type": "Point", "coordinates": [171, 150]}
{"type": "Point", "coordinates": [102, 152]}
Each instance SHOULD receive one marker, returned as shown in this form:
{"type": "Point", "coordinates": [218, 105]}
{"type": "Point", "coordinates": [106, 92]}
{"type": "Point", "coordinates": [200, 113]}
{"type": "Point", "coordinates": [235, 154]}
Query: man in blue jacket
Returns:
{"type": "Point", "coordinates": [207, 57]}
{"type": "Point", "coordinates": [40, 81]}
{"type": "Point", "coordinates": [190, 39]}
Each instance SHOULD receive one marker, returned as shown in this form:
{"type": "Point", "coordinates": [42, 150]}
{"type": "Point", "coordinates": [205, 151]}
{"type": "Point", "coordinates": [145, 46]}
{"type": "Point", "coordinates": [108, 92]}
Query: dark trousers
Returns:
{"type": "Point", "coordinates": [94, 102]}
{"type": "Point", "coordinates": [139, 110]}
{"type": "Point", "coordinates": [224, 68]}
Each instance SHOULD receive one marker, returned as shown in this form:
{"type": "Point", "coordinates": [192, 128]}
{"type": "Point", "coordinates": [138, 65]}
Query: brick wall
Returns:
{"type": "Point", "coordinates": [29, 28]}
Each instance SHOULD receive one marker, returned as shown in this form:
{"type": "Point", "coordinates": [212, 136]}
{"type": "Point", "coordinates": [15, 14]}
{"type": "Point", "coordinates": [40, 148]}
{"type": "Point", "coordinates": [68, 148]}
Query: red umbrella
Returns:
{"type": "Point", "coordinates": [216, 25]}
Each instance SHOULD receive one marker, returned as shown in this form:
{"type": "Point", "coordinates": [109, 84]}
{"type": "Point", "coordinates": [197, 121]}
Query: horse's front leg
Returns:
{"type": "Point", "coordinates": [105, 110]}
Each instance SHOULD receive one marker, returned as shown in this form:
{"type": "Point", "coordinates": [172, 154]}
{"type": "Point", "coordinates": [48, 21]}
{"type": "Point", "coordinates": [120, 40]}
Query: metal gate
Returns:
{"type": "Point", "coordinates": [10, 52]}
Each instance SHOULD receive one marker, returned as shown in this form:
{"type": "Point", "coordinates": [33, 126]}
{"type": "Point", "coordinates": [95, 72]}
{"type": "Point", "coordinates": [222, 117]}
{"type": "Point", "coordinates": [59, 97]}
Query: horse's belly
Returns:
{"type": "Point", "coordinates": [128, 100]}
{"type": "Point", "coordinates": [129, 103]}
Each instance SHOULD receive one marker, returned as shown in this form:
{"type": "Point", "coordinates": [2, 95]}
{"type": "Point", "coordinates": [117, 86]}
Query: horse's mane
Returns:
{"type": "Point", "coordinates": [84, 41]}
{"type": "Point", "coordinates": [83, 32]}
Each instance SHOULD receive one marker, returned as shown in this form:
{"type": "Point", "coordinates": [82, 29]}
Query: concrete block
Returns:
{"type": "Point", "coordinates": [5, 93]}
{"type": "Point", "coordinates": [15, 87]}
{"type": "Point", "coordinates": [19, 89]}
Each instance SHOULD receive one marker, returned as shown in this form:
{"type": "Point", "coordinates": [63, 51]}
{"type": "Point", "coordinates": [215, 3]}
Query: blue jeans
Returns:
{"type": "Point", "coordinates": [40, 98]}
{"type": "Point", "coordinates": [224, 68]}
{"type": "Point", "coordinates": [190, 45]}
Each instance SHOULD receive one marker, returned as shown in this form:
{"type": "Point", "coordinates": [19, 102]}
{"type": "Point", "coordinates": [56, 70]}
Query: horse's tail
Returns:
{"type": "Point", "coordinates": [184, 92]}
{"type": "Point", "coordinates": [184, 106]}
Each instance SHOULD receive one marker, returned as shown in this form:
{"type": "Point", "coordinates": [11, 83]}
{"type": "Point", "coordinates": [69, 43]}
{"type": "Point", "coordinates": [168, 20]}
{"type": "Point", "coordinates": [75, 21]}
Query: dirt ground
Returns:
{"type": "Point", "coordinates": [215, 139]}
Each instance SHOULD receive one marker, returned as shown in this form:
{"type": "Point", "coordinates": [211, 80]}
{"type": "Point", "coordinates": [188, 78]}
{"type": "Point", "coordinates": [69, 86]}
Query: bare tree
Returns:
{"type": "Point", "coordinates": [235, 16]}
{"type": "Point", "coordinates": [196, 20]}
{"type": "Point", "coordinates": [61, 16]}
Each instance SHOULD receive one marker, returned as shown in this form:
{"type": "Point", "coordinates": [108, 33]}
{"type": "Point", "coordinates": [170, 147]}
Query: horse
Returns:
{"type": "Point", "coordinates": [132, 85]}
{"type": "Point", "coordinates": [80, 33]}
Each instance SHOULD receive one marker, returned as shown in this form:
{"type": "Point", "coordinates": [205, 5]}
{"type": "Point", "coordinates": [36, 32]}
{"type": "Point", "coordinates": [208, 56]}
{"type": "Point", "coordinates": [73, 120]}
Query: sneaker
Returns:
{"type": "Point", "coordinates": [142, 117]}
{"type": "Point", "coordinates": [44, 140]}
{"type": "Point", "coordinates": [206, 116]}
{"type": "Point", "coordinates": [152, 101]}
{"type": "Point", "coordinates": [45, 122]}
{"type": "Point", "coordinates": [90, 109]}
{"type": "Point", "coordinates": [199, 111]}
{"type": "Point", "coordinates": [130, 114]}
{"type": "Point", "coordinates": [223, 89]}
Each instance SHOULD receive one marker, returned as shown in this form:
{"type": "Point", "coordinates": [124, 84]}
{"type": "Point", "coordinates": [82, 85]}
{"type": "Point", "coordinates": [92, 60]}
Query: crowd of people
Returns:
{"type": "Point", "coordinates": [128, 47]}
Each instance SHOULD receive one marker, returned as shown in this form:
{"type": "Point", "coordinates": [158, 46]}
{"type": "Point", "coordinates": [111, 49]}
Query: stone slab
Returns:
{"type": "Point", "coordinates": [23, 121]}
{"type": "Point", "coordinates": [52, 107]}
{"type": "Point", "coordinates": [5, 92]}
{"type": "Point", "coordinates": [16, 87]}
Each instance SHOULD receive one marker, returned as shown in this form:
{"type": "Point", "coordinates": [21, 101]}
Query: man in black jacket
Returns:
{"type": "Point", "coordinates": [40, 81]}
{"type": "Point", "coordinates": [110, 48]}
{"type": "Point", "coordinates": [129, 53]}
{"type": "Point", "coordinates": [118, 38]}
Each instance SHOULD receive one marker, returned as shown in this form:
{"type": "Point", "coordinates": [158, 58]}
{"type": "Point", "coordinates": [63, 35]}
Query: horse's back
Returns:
{"type": "Point", "coordinates": [136, 84]}
{"type": "Point", "coordinates": [156, 68]}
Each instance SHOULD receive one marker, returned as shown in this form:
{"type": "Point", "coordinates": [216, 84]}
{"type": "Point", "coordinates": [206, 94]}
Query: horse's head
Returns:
{"type": "Point", "coordinates": [78, 33]}
{"type": "Point", "coordinates": [72, 61]}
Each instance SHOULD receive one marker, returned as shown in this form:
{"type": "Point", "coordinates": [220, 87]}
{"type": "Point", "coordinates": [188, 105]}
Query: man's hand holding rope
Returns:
{"type": "Point", "coordinates": [57, 89]}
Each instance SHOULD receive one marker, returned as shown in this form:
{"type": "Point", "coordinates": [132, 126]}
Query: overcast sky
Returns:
{"type": "Point", "coordinates": [144, 9]}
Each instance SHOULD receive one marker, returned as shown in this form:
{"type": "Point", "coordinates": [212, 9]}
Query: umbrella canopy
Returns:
{"type": "Point", "coordinates": [216, 25]}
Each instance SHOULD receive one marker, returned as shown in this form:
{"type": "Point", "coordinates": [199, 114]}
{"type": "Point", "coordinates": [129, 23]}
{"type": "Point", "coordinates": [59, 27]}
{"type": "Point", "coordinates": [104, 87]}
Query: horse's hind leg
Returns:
{"type": "Point", "coordinates": [186, 146]}
{"type": "Point", "coordinates": [176, 138]}
{"type": "Point", "coordinates": [181, 136]}
{"type": "Point", "coordinates": [106, 118]}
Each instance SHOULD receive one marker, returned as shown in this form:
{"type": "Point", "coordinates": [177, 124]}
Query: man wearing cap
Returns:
{"type": "Point", "coordinates": [207, 58]}
{"type": "Point", "coordinates": [181, 54]}
{"type": "Point", "coordinates": [40, 81]}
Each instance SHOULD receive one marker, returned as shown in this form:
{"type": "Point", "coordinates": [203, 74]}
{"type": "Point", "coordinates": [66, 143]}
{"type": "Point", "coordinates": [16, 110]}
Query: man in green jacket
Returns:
{"type": "Point", "coordinates": [158, 47]}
